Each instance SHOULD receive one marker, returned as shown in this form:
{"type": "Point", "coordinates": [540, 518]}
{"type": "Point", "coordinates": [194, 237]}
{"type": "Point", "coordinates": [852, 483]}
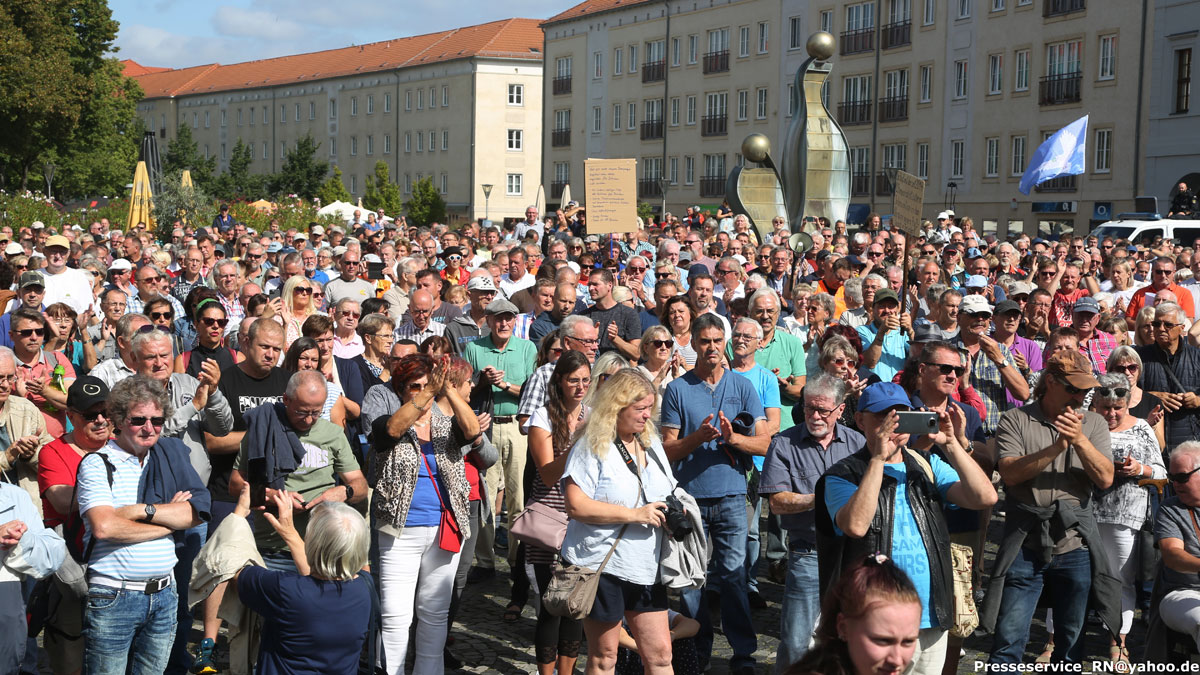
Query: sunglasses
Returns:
{"type": "Point", "coordinates": [352, 315]}
{"type": "Point", "coordinates": [1118, 392]}
{"type": "Point", "coordinates": [140, 421]}
{"type": "Point", "coordinates": [1182, 477]}
{"type": "Point", "coordinates": [302, 290]}
{"type": "Point", "coordinates": [158, 316]}
{"type": "Point", "coordinates": [1124, 368]}
{"type": "Point", "coordinates": [454, 257]}
{"type": "Point", "coordinates": [92, 416]}
{"type": "Point", "coordinates": [659, 344]}
{"type": "Point", "coordinates": [845, 362]}
{"type": "Point", "coordinates": [213, 321]}
{"type": "Point", "coordinates": [946, 368]}
{"type": "Point", "coordinates": [1072, 389]}
{"type": "Point", "coordinates": [662, 275]}
{"type": "Point", "coordinates": [1159, 323]}
{"type": "Point", "coordinates": [150, 328]}
{"type": "Point", "coordinates": [27, 332]}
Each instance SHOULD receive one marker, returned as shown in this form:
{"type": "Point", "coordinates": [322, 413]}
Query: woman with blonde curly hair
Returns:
{"type": "Point", "coordinates": [298, 304]}
{"type": "Point", "coordinates": [610, 512]}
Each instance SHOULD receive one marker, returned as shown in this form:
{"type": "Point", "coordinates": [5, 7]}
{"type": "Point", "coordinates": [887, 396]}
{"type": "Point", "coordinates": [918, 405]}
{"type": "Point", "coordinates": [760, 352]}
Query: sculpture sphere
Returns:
{"type": "Point", "coordinates": [821, 45]}
{"type": "Point", "coordinates": [756, 148]}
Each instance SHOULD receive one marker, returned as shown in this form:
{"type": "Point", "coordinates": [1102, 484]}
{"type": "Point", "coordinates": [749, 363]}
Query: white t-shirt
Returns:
{"type": "Point", "coordinates": [72, 286]}
{"type": "Point", "coordinates": [511, 288]}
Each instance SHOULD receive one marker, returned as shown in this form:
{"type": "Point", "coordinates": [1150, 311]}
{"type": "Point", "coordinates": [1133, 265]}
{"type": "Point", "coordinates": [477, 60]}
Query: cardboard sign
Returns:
{"type": "Point", "coordinates": [611, 189]}
{"type": "Point", "coordinates": [907, 200]}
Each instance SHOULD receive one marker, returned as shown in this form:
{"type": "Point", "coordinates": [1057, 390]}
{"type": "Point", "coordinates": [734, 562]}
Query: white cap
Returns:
{"type": "Point", "coordinates": [943, 215]}
{"type": "Point", "coordinates": [740, 258]}
{"type": "Point", "coordinates": [318, 230]}
{"type": "Point", "coordinates": [338, 250]}
{"type": "Point", "coordinates": [37, 225]}
{"type": "Point", "coordinates": [121, 264]}
{"type": "Point", "coordinates": [372, 258]}
{"type": "Point", "coordinates": [14, 249]}
{"type": "Point", "coordinates": [483, 282]}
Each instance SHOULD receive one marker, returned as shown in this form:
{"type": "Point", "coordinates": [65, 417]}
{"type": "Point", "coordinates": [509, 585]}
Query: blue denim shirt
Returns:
{"type": "Point", "coordinates": [794, 463]}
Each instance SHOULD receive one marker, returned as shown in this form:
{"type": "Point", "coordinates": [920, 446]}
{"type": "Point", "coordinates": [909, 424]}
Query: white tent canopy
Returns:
{"type": "Point", "coordinates": [345, 211]}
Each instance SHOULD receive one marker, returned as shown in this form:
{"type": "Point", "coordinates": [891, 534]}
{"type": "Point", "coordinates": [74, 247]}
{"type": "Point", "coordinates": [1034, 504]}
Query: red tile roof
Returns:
{"type": "Point", "coordinates": [508, 38]}
{"type": "Point", "coordinates": [588, 7]}
{"type": "Point", "coordinates": [134, 69]}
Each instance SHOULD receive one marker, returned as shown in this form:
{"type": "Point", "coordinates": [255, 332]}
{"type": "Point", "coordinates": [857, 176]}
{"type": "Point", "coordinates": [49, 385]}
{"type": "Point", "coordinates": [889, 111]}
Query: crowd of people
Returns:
{"type": "Point", "coordinates": [310, 443]}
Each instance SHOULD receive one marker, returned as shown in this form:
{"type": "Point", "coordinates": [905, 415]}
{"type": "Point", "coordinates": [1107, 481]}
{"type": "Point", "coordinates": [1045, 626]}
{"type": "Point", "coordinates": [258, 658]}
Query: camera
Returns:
{"type": "Point", "coordinates": [678, 523]}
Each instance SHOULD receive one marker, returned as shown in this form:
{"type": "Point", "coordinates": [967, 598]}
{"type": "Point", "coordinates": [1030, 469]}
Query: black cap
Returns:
{"type": "Point", "coordinates": [1006, 306]}
{"type": "Point", "coordinates": [86, 392]}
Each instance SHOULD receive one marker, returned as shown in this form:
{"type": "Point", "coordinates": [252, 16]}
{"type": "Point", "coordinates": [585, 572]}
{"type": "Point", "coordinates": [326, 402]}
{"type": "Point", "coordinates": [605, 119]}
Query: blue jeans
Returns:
{"type": "Point", "coordinates": [801, 606]}
{"type": "Point", "coordinates": [1068, 578]}
{"type": "Point", "coordinates": [280, 561]}
{"type": "Point", "coordinates": [123, 626]}
{"type": "Point", "coordinates": [186, 549]}
{"type": "Point", "coordinates": [753, 545]}
{"type": "Point", "coordinates": [724, 521]}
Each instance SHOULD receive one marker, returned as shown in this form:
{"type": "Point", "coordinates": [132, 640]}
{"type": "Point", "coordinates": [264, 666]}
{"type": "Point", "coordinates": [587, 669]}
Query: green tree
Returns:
{"type": "Point", "coordinates": [382, 193]}
{"type": "Point", "coordinates": [183, 153]}
{"type": "Point", "coordinates": [109, 139]}
{"type": "Point", "coordinates": [426, 205]}
{"type": "Point", "coordinates": [176, 201]}
{"type": "Point", "coordinates": [334, 189]}
{"type": "Point", "coordinates": [238, 181]}
{"type": "Point", "coordinates": [302, 173]}
{"type": "Point", "coordinates": [644, 210]}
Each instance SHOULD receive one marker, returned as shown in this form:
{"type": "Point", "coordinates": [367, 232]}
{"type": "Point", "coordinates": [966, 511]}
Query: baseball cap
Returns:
{"type": "Point", "coordinates": [501, 306]}
{"type": "Point", "coordinates": [928, 333]}
{"type": "Point", "coordinates": [121, 264]}
{"type": "Point", "coordinates": [32, 279]}
{"type": "Point", "coordinates": [339, 250]}
{"type": "Point", "coordinates": [881, 396]}
{"type": "Point", "coordinates": [973, 304]}
{"type": "Point", "coordinates": [318, 230]}
{"type": "Point", "coordinates": [372, 258]}
{"type": "Point", "coordinates": [855, 261]}
{"type": "Point", "coordinates": [1072, 367]}
{"type": "Point", "coordinates": [274, 247]}
{"type": "Point", "coordinates": [58, 240]}
{"type": "Point", "coordinates": [1006, 306]}
{"type": "Point", "coordinates": [973, 252]}
{"type": "Point", "coordinates": [299, 236]}
{"type": "Point", "coordinates": [86, 392]}
{"type": "Point", "coordinates": [592, 237]}
{"type": "Point", "coordinates": [976, 281]}
{"type": "Point", "coordinates": [943, 215]}
{"type": "Point", "coordinates": [37, 225]}
{"type": "Point", "coordinates": [823, 254]}
{"type": "Point", "coordinates": [1085, 304]}
{"type": "Point", "coordinates": [741, 259]}
{"type": "Point", "coordinates": [482, 282]}
{"type": "Point", "coordinates": [886, 294]}
{"type": "Point", "coordinates": [14, 249]}
{"type": "Point", "coordinates": [1020, 288]}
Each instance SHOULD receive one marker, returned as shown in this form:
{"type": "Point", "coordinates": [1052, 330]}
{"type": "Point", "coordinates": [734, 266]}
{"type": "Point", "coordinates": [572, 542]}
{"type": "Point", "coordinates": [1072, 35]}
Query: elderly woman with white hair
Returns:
{"type": "Point", "coordinates": [297, 635]}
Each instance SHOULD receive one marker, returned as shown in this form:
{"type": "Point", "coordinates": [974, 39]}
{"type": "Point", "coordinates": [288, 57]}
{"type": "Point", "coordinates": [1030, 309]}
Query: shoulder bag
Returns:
{"type": "Point", "coordinates": [449, 535]}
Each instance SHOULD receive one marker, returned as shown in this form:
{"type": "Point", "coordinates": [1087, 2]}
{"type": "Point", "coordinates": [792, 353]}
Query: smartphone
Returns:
{"type": "Point", "coordinates": [917, 422]}
{"type": "Point", "coordinates": [375, 270]}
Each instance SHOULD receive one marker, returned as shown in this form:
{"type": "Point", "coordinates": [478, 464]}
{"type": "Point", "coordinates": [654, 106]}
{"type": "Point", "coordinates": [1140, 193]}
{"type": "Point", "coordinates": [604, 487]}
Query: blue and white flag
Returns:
{"type": "Point", "coordinates": [1063, 154]}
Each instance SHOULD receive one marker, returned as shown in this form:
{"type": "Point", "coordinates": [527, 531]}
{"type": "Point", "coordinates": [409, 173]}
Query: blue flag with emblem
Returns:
{"type": "Point", "coordinates": [1063, 154]}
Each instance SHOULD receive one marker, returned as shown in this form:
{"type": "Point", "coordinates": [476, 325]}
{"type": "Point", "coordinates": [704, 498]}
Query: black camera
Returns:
{"type": "Point", "coordinates": [679, 525]}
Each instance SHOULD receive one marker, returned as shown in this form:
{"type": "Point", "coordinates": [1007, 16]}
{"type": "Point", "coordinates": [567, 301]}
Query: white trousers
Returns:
{"type": "Point", "coordinates": [1180, 610]}
{"type": "Point", "coordinates": [415, 573]}
{"type": "Point", "coordinates": [1119, 544]}
{"type": "Point", "coordinates": [930, 654]}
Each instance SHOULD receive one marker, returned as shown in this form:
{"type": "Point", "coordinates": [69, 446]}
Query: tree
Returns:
{"type": "Point", "coordinates": [301, 174]}
{"type": "Point", "coordinates": [238, 182]}
{"type": "Point", "coordinates": [644, 211]}
{"type": "Point", "coordinates": [382, 193]}
{"type": "Point", "coordinates": [426, 205]}
{"type": "Point", "coordinates": [175, 201]}
{"type": "Point", "coordinates": [183, 153]}
{"type": "Point", "coordinates": [333, 189]}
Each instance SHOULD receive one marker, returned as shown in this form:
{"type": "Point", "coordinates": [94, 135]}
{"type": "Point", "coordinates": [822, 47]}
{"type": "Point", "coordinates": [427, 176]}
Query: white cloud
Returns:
{"type": "Point", "coordinates": [256, 24]}
{"type": "Point", "coordinates": [153, 46]}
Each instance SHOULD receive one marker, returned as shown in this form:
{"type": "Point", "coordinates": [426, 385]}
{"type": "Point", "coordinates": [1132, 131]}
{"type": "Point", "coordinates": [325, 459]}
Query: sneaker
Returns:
{"type": "Point", "coordinates": [204, 661]}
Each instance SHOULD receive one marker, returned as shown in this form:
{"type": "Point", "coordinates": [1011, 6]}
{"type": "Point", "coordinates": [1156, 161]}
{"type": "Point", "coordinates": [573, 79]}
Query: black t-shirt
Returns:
{"type": "Point", "coordinates": [199, 354]}
{"type": "Point", "coordinates": [243, 393]}
{"type": "Point", "coordinates": [629, 325]}
{"type": "Point", "coordinates": [1144, 406]}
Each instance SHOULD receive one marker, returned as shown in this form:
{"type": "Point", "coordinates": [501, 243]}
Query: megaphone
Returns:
{"type": "Point", "coordinates": [800, 242]}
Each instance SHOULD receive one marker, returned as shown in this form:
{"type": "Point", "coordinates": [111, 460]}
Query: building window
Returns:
{"type": "Point", "coordinates": [675, 111]}
{"type": "Point", "coordinates": [1183, 80]}
{"type": "Point", "coordinates": [562, 172]}
{"type": "Point", "coordinates": [796, 35]}
{"type": "Point", "coordinates": [997, 5]}
{"type": "Point", "coordinates": [633, 58]}
{"type": "Point", "coordinates": [445, 139]}
{"type": "Point", "coordinates": [222, 119]}
{"type": "Point", "coordinates": [860, 16]}
{"type": "Point", "coordinates": [744, 41]}
{"type": "Point", "coordinates": [1103, 150]}
{"type": "Point", "coordinates": [926, 84]}
{"type": "Point", "coordinates": [432, 100]}
{"type": "Point", "coordinates": [266, 116]}
{"type": "Point", "coordinates": [957, 158]}
{"type": "Point", "coordinates": [563, 66]}
{"type": "Point", "coordinates": [445, 95]}
{"type": "Point", "coordinates": [223, 153]}
{"type": "Point", "coordinates": [995, 73]}
{"type": "Point", "coordinates": [760, 108]}
{"type": "Point", "coordinates": [856, 89]}
{"type": "Point", "coordinates": [432, 141]}
{"type": "Point", "coordinates": [693, 48]}
{"type": "Point", "coordinates": [420, 141]}
{"type": "Point", "coordinates": [1063, 58]}
{"type": "Point", "coordinates": [1021, 78]}
{"type": "Point", "coordinates": [930, 13]}
{"type": "Point", "coordinates": [420, 99]}
{"type": "Point", "coordinates": [1018, 155]}
{"type": "Point", "coordinates": [675, 51]}
{"type": "Point", "coordinates": [353, 146]}
{"type": "Point", "coordinates": [960, 79]}
{"type": "Point", "coordinates": [923, 161]}
{"type": "Point", "coordinates": [1108, 57]}
{"type": "Point", "coordinates": [764, 34]}
{"type": "Point", "coordinates": [689, 170]}
{"type": "Point", "coordinates": [370, 144]}
{"type": "Point", "coordinates": [516, 94]}
{"type": "Point", "coordinates": [993, 157]}
{"type": "Point", "coordinates": [206, 119]}
{"type": "Point", "coordinates": [743, 104]}
{"type": "Point", "coordinates": [264, 150]}
{"type": "Point", "coordinates": [282, 150]}
{"type": "Point", "coordinates": [297, 112]}
{"type": "Point", "coordinates": [895, 156]}
{"type": "Point", "coordinates": [513, 184]}
{"type": "Point", "coordinates": [408, 141]}
{"type": "Point", "coordinates": [632, 118]}
{"type": "Point", "coordinates": [964, 8]}
{"type": "Point", "coordinates": [370, 104]}
{"type": "Point", "coordinates": [407, 184]}
{"type": "Point", "coordinates": [353, 183]}
{"type": "Point", "coordinates": [332, 146]}
{"type": "Point", "coordinates": [673, 170]}
{"type": "Point", "coordinates": [562, 120]}
{"type": "Point", "coordinates": [387, 144]}
{"type": "Point", "coordinates": [408, 100]}
{"type": "Point", "coordinates": [860, 162]}
{"type": "Point", "coordinates": [387, 103]}
{"type": "Point", "coordinates": [354, 106]}
{"type": "Point", "coordinates": [598, 65]}
{"type": "Point", "coordinates": [312, 110]}
{"type": "Point", "coordinates": [239, 117]}
{"type": "Point", "coordinates": [597, 119]}
{"type": "Point", "coordinates": [618, 61]}
{"type": "Point", "coordinates": [827, 20]}
{"type": "Point", "coordinates": [691, 109]}
{"type": "Point", "coordinates": [616, 117]}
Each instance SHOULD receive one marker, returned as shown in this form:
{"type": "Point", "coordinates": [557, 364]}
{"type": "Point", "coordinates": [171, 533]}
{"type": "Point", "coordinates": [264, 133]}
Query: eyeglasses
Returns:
{"type": "Point", "coordinates": [1072, 389]}
{"type": "Point", "coordinates": [823, 412]}
{"type": "Point", "coordinates": [308, 414]}
{"type": "Point", "coordinates": [150, 328]}
{"type": "Point", "coordinates": [27, 332]}
{"type": "Point", "coordinates": [1110, 392]}
{"type": "Point", "coordinates": [253, 256]}
{"type": "Point", "coordinates": [662, 344]}
{"type": "Point", "coordinates": [876, 254]}
{"type": "Point", "coordinates": [1124, 368]}
{"type": "Point", "coordinates": [213, 321]}
{"type": "Point", "coordinates": [384, 336]}
{"type": "Point", "coordinates": [844, 362]}
{"type": "Point", "coordinates": [723, 272]}
{"type": "Point", "coordinates": [1159, 323]}
{"type": "Point", "coordinates": [153, 278]}
{"type": "Point", "coordinates": [745, 337]}
{"type": "Point", "coordinates": [352, 315]}
{"type": "Point", "coordinates": [1182, 477]}
{"type": "Point", "coordinates": [946, 368]}
{"type": "Point", "coordinates": [8, 379]}
{"type": "Point", "coordinates": [159, 316]}
{"type": "Point", "coordinates": [635, 269]}
{"type": "Point", "coordinates": [454, 257]}
{"type": "Point", "coordinates": [585, 341]}
{"type": "Point", "coordinates": [349, 262]}
{"type": "Point", "coordinates": [140, 421]}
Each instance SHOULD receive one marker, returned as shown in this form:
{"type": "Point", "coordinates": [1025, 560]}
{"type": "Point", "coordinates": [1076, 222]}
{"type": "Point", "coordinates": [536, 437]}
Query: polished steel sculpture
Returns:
{"type": "Point", "coordinates": [814, 177]}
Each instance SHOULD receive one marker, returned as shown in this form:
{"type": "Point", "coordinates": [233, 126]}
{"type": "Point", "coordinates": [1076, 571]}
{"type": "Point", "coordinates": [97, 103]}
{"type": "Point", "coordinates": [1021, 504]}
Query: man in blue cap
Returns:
{"type": "Point", "coordinates": [889, 499]}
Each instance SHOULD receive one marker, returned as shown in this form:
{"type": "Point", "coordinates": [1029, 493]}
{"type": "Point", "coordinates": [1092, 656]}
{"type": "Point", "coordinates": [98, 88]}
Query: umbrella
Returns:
{"type": "Point", "coordinates": [185, 181]}
{"type": "Point", "coordinates": [141, 201]}
{"type": "Point", "coordinates": [263, 206]}
{"type": "Point", "coordinates": [566, 195]}
{"type": "Point", "coordinates": [540, 202]}
{"type": "Point", "coordinates": [343, 210]}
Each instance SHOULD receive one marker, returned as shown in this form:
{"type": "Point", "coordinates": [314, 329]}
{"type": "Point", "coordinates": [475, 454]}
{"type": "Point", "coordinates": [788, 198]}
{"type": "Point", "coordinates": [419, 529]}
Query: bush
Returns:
{"type": "Point", "coordinates": [19, 209]}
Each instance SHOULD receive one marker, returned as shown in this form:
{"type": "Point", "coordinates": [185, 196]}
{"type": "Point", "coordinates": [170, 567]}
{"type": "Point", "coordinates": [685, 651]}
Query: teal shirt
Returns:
{"type": "Point", "coordinates": [518, 360]}
{"type": "Point", "coordinates": [785, 352]}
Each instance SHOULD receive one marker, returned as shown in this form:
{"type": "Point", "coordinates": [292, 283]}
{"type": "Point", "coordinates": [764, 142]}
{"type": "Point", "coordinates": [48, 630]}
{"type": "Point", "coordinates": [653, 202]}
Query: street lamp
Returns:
{"type": "Point", "coordinates": [951, 192]}
{"type": "Point", "coordinates": [662, 190]}
{"type": "Point", "coordinates": [487, 193]}
{"type": "Point", "coordinates": [49, 171]}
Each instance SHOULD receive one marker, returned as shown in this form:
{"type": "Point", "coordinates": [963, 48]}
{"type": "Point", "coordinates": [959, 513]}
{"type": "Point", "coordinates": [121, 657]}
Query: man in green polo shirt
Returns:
{"type": "Point", "coordinates": [779, 352]}
{"type": "Point", "coordinates": [504, 362]}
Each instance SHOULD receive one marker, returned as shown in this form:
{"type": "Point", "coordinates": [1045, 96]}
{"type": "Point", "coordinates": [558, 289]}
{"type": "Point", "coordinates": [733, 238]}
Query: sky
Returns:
{"type": "Point", "coordinates": [181, 33]}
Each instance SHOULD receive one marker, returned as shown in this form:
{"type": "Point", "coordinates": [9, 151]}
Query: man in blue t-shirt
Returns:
{"type": "Point", "coordinates": [713, 423]}
{"type": "Point", "coordinates": [914, 533]}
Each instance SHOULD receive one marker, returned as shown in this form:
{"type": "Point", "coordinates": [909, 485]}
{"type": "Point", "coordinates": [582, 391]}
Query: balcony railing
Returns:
{"type": "Point", "coordinates": [556, 188]}
{"type": "Point", "coordinates": [562, 85]}
{"type": "Point", "coordinates": [649, 188]}
{"type": "Point", "coordinates": [655, 71]}
{"type": "Point", "coordinates": [1060, 184]}
{"type": "Point", "coordinates": [883, 186]}
{"type": "Point", "coordinates": [652, 129]}
{"type": "Point", "coordinates": [1061, 7]}
{"type": "Point", "coordinates": [893, 109]}
{"type": "Point", "coordinates": [1056, 89]}
{"type": "Point", "coordinates": [860, 185]}
{"type": "Point", "coordinates": [714, 125]}
{"type": "Point", "coordinates": [854, 112]}
{"type": "Point", "coordinates": [712, 186]}
{"type": "Point", "coordinates": [895, 34]}
{"type": "Point", "coordinates": [858, 41]}
{"type": "Point", "coordinates": [716, 62]}
{"type": "Point", "coordinates": [560, 138]}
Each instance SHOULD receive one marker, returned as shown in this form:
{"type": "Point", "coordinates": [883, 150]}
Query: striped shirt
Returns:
{"type": "Point", "coordinates": [409, 331]}
{"type": "Point", "coordinates": [147, 560]}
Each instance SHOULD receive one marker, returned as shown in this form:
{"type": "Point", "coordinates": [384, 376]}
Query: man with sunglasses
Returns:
{"type": "Point", "coordinates": [348, 285]}
{"type": "Point", "coordinates": [1162, 277]}
{"type": "Point", "coordinates": [1176, 535]}
{"type": "Point", "coordinates": [149, 283]}
{"type": "Point", "coordinates": [1052, 455]}
{"type": "Point", "coordinates": [994, 372]}
{"type": "Point", "coordinates": [35, 369]}
{"type": "Point", "coordinates": [1171, 371]}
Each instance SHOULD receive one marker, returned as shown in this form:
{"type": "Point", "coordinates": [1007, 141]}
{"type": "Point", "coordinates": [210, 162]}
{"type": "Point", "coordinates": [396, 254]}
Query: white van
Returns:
{"type": "Point", "coordinates": [1146, 225]}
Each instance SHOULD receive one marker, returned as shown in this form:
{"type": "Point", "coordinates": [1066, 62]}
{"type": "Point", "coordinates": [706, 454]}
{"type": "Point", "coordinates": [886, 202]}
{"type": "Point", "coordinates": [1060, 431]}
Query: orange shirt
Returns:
{"type": "Point", "coordinates": [1139, 300]}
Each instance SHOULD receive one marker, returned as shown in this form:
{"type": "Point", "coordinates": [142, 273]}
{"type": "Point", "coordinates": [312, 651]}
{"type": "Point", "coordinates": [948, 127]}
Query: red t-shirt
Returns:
{"type": "Point", "coordinates": [473, 479]}
{"type": "Point", "coordinates": [58, 463]}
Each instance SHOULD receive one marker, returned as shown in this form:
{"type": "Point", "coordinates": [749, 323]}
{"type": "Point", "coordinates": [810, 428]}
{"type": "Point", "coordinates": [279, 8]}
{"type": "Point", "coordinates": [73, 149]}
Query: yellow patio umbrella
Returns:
{"type": "Point", "coordinates": [185, 180]}
{"type": "Point", "coordinates": [263, 206]}
{"type": "Point", "coordinates": [141, 201]}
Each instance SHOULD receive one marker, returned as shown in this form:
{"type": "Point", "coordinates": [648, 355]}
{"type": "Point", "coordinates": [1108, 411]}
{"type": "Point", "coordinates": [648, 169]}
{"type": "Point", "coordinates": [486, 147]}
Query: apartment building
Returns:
{"type": "Point", "coordinates": [1173, 147]}
{"type": "Point", "coordinates": [462, 107]}
{"type": "Point", "coordinates": [959, 92]}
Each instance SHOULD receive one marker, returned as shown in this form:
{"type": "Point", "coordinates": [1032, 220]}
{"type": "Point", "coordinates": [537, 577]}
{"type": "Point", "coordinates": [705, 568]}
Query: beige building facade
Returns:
{"type": "Point", "coordinates": [958, 92]}
{"type": "Point", "coordinates": [462, 107]}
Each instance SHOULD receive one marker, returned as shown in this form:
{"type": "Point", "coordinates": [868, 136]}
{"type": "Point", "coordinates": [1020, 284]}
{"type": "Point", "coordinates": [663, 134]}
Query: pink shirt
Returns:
{"type": "Point", "coordinates": [348, 349]}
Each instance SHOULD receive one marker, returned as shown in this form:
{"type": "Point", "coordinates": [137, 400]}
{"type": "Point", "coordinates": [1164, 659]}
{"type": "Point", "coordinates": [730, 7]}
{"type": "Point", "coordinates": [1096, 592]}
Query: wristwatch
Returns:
{"type": "Point", "coordinates": [150, 511]}
{"type": "Point", "coordinates": [349, 493]}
